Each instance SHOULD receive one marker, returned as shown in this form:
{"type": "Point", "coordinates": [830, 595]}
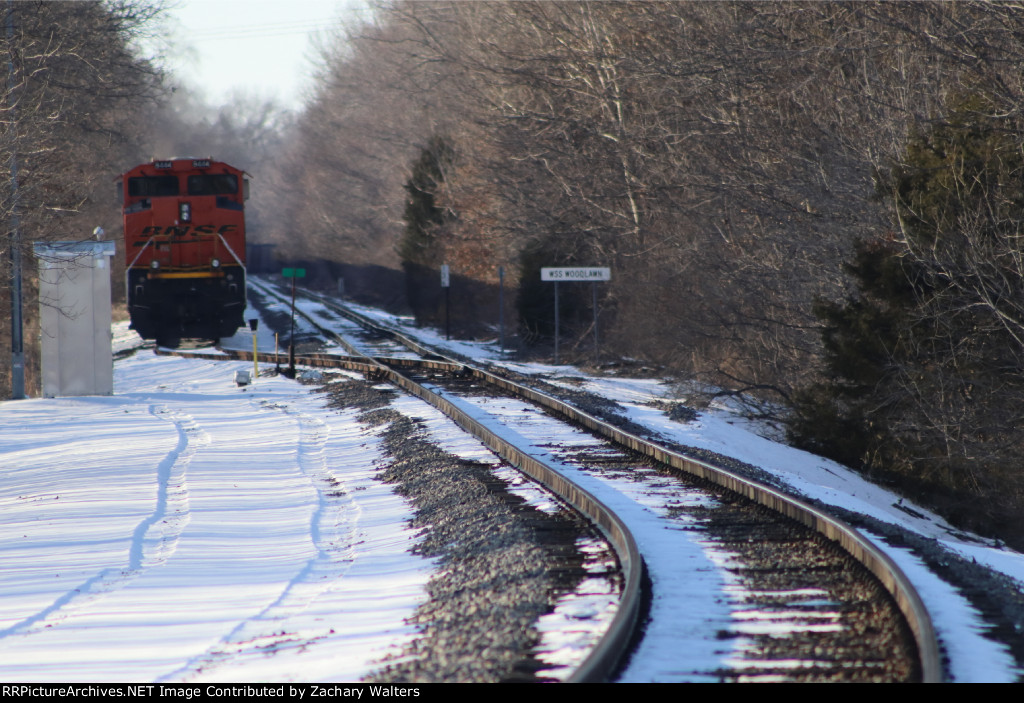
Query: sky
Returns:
{"type": "Point", "coordinates": [264, 48]}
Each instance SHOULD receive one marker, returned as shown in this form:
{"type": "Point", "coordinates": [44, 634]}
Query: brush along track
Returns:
{"type": "Point", "coordinates": [795, 570]}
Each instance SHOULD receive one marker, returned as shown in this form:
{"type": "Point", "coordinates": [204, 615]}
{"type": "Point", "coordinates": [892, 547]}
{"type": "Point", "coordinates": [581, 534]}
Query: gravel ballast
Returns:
{"type": "Point", "coordinates": [503, 562]}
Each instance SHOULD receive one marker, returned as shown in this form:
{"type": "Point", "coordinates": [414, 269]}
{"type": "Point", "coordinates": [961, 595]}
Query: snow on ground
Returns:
{"type": "Point", "coordinates": [185, 528]}
{"type": "Point", "coordinates": [721, 429]}
{"type": "Point", "coordinates": [188, 529]}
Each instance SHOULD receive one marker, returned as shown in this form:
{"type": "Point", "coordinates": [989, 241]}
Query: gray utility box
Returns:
{"type": "Point", "coordinates": [75, 317]}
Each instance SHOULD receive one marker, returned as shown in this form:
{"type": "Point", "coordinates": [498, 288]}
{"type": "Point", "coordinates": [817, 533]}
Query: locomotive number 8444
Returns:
{"type": "Point", "coordinates": [184, 236]}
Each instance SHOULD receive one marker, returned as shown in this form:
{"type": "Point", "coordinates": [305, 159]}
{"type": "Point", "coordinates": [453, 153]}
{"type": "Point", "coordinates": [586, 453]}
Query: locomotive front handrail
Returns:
{"type": "Point", "coordinates": [144, 246]}
{"type": "Point", "coordinates": [231, 251]}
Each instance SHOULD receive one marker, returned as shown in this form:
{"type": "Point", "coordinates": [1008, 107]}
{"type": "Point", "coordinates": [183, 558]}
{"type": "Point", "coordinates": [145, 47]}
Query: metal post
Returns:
{"type": "Point", "coordinates": [446, 284]}
{"type": "Point", "coordinates": [501, 307]}
{"type": "Point", "coordinates": [593, 290]}
{"type": "Point", "coordinates": [17, 327]}
{"type": "Point", "coordinates": [291, 342]}
{"type": "Point", "coordinates": [255, 352]}
{"type": "Point", "coordinates": [556, 323]}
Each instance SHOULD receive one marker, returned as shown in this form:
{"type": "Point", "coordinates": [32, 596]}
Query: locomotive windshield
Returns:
{"type": "Point", "coordinates": [152, 186]}
{"type": "Point", "coordinates": [213, 184]}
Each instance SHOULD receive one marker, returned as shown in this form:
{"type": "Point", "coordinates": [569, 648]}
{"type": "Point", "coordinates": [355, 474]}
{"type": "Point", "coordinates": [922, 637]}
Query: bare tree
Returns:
{"type": "Point", "coordinates": [68, 115]}
{"type": "Point", "coordinates": [720, 156]}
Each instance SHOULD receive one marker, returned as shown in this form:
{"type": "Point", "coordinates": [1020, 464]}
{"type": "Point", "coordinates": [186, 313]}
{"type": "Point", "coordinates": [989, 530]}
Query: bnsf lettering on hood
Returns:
{"type": "Point", "coordinates": [179, 231]}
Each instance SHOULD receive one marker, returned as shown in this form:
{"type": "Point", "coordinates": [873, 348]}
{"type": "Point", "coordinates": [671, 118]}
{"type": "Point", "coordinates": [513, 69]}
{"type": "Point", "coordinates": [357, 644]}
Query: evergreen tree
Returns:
{"type": "Point", "coordinates": [924, 364]}
{"type": "Point", "coordinates": [422, 247]}
{"type": "Point", "coordinates": [423, 216]}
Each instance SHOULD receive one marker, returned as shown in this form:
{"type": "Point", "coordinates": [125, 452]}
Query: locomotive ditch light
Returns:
{"type": "Point", "coordinates": [186, 212]}
{"type": "Point", "coordinates": [154, 264]}
{"type": "Point", "coordinates": [215, 263]}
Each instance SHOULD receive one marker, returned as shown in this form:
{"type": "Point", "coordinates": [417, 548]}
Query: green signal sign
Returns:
{"type": "Point", "coordinates": [293, 273]}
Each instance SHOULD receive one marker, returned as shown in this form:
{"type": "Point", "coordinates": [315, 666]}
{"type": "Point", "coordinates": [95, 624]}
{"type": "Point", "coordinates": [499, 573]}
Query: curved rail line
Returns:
{"type": "Point", "coordinates": [613, 645]}
{"type": "Point", "coordinates": [608, 652]}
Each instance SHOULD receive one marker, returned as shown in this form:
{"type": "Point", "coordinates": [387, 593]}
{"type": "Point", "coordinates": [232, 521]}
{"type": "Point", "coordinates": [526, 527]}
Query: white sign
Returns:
{"type": "Point", "coordinates": [576, 273]}
{"type": "Point", "coordinates": [445, 276]}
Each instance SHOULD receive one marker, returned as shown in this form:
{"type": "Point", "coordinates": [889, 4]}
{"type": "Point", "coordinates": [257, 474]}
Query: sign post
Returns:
{"type": "Point", "coordinates": [501, 308]}
{"type": "Point", "coordinates": [292, 273]}
{"type": "Point", "coordinates": [254, 324]}
{"type": "Point", "coordinates": [446, 284]}
{"type": "Point", "coordinates": [576, 274]}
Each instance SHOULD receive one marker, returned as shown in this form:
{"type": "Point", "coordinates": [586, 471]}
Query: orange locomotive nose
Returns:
{"type": "Point", "coordinates": [184, 228]}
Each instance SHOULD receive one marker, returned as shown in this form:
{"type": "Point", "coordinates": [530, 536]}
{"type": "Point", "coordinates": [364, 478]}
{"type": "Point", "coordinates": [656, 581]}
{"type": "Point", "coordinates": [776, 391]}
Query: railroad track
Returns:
{"type": "Point", "coordinates": [812, 599]}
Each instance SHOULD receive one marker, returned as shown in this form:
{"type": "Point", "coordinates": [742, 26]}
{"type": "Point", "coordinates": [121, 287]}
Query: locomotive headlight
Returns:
{"type": "Point", "coordinates": [154, 264]}
{"type": "Point", "coordinates": [215, 263]}
{"type": "Point", "coordinates": [185, 212]}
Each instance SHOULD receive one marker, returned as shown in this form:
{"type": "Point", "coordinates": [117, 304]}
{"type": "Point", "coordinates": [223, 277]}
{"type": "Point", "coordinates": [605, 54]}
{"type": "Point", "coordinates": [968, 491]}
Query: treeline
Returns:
{"type": "Point", "coordinates": [819, 202]}
{"type": "Point", "coordinates": [80, 104]}
{"type": "Point", "coordinates": [74, 94]}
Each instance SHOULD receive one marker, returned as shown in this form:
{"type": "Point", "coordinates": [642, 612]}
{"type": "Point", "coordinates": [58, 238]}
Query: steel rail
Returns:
{"type": "Point", "coordinates": [889, 574]}
{"type": "Point", "coordinates": [609, 651]}
{"type": "Point", "coordinates": [605, 656]}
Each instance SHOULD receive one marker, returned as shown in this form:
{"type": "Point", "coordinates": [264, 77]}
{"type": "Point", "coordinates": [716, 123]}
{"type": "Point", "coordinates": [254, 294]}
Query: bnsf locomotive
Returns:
{"type": "Point", "coordinates": [184, 235]}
